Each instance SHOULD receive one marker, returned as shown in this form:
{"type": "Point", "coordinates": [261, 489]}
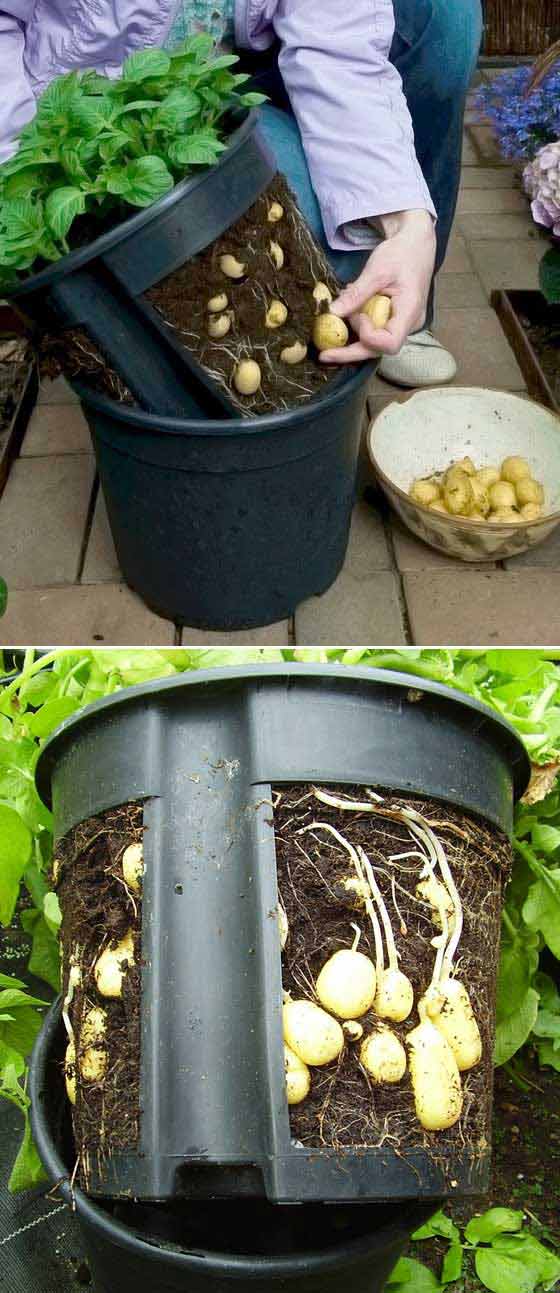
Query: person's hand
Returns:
{"type": "Point", "coordinates": [400, 267]}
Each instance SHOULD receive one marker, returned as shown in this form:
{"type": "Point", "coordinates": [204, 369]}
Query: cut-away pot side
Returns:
{"type": "Point", "coordinates": [510, 306]}
{"type": "Point", "coordinates": [202, 754]}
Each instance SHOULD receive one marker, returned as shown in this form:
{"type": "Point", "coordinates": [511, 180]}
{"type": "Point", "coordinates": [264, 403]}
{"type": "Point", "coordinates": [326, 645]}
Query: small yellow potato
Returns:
{"type": "Point", "coordinates": [218, 303]}
{"type": "Point", "coordinates": [322, 294]}
{"type": "Point", "coordinates": [458, 494]}
{"type": "Point", "coordinates": [531, 511]}
{"type": "Point", "coordinates": [425, 492]}
{"type": "Point", "coordinates": [219, 325]}
{"type": "Point", "coordinates": [276, 314]}
{"type": "Point", "coordinates": [133, 866]}
{"type": "Point", "coordinates": [231, 267]}
{"type": "Point", "coordinates": [449, 1008]}
{"type": "Point", "coordinates": [514, 469]}
{"type": "Point", "coordinates": [438, 506]}
{"type": "Point", "coordinates": [475, 515]}
{"type": "Point", "coordinates": [501, 495]}
{"type": "Point", "coordinates": [464, 467]}
{"type": "Point", "coordinates": [247, 377]}
{"type": "Point", "coordinates": [488, 476]}
{"type": "Point", "coordinates": [481, 496]}
{"type": "Point", "coordinates": [378, 310]}
{"type": "Point", "coordinates": [435, 893]}
{"type": "Point", "coordinates": [56, 870]}
{"type": "Point", "coordinates": [353, 1030]}
{"type": "Point", "coordinates": [504, 516]}
{"type": "Point", "coordinates": [356, 887]}
{"type": "Point", "coordinates": [529, 491]}
{"type": "Point", "coordinates": [383, 1056]}
{"type": "Point", "coordinates": [346, 984]}
{"type": "Point", "coordinates": [110, 967]}
{"type": "Point", "coordinates": [277, 254]}
{"type": "Point", "coordinates": [314, 1036]}
{"type": "Point", "coordinates": [70, 1072]}
{"type": "Point", "coordinates": [283, 926]}
{"type": "Point", "coordinates": [275, 212]}
{"type": "Point", "coordinates": [436, 1081]}
{"type": "Point", "coordinates": [298, 1077]}
{"type": "Point", "coordinates": [394, 998]}
{"type": "Point", "coordinates": [93, 1057]}
{"type": "Point", "coordinates": [330, 332]}
{"type": "Point", "coordinates": [294, 354]}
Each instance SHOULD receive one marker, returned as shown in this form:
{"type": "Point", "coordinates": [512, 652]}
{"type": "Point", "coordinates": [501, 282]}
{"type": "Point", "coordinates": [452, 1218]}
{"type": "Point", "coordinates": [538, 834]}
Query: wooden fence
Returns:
{"type": "Point", "coordinates": [520, 26]}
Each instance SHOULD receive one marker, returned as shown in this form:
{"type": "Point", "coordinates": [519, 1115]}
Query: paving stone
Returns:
{"type": "Point", "coordinates": [457, 258]}
{"type": "Point", "coordinates": [512, 263]}
{"type": "Point", "coordinates": [42, 518]}
{"type": "Point", "coordinates": [490, 201]}
{"type": "Point", "coordinates": [509, 225]}
{"type": "Point", "coordinates": [367, 548]}
{"type": "Point", "coordinates": [484, 146]}
{"type": "Point", "coordinates": [355, 610]}
{"type": "Point", "coordinates": [488, 177]}
{"type": "Point", "coordinates": [279, 634]}
{"type": "Point", "coordinates": [101, 564]}
{"type": "Point", "coordinates": [412, 554]}
{"type": "Point", "coordinates": [56, 392]}
{"type": "Point", "coordinates": [475, 338]}
{"type": "Point", "coordinates": [470, 155]}
{"type": "Point", "coordinates": [545, 556]}
{"type": "Point", "coordinates": [467, 608]}
{"type": "Point", "coordinates": [56, 429]}
{"type": "Point", "coordinates": [77, 616]}
{"type": "Point", "coordinates": [460, 291]}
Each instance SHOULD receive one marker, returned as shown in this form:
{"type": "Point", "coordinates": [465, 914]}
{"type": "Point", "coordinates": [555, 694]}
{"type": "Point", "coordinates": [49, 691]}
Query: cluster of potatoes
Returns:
{"type": "Point", "coordinates": [329, 332]}
{"type": "Point", "coordinates": [497, 495]}
{"type": "Point", "coordinates": [89, 1052]}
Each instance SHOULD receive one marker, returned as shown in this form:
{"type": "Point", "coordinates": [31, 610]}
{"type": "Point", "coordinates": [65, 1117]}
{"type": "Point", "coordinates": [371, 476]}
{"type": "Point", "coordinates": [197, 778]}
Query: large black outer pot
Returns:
{"type": "Point", "coordinates": [230, 524]}
{"type": "Point", "coordinates": [100, 286]}
{"type": "Point", "coordinates": [202, 751]}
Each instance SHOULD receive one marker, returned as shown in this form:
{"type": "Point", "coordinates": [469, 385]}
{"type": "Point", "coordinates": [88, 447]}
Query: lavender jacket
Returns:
{"type": "Point", "coordinates": [346, 95]}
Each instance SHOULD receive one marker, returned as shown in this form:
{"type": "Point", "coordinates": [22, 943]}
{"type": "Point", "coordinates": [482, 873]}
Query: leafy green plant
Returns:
{"type": "Point", "coordinates": [523, 686]}
{"type": "Point", "coordinates": [507, 1258]}
{"type": "Point", "coordinates": [549, 275]}
{"type": "Point", "coordinates": [98, 146]}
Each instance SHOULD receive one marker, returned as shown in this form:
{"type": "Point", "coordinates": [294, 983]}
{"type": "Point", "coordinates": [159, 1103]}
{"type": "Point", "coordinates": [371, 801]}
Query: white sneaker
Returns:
{"type": "Point", "coordinates": [423, 361]}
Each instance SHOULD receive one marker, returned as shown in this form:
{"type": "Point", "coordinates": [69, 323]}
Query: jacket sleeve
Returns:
{"type": "Point", "coordinates": [351, 111]}
{"type": "Point", "coordinates": [18, 100]}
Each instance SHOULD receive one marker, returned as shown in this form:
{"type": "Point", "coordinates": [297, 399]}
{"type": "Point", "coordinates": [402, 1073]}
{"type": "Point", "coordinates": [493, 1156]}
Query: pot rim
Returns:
{"type": "Point", "coordinates": [249, 1267]}
{"type": "Point", "coordinates": [508, 737]}
{"type": "Point", "coordinates": [130, 226]}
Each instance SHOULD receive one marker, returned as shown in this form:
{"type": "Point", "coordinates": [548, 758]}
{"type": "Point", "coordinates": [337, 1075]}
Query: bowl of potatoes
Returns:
{"type": "Point", "coordinates": [472, 472]}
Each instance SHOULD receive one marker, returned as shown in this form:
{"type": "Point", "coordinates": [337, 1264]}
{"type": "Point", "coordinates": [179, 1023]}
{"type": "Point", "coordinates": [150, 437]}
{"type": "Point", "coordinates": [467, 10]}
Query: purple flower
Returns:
{"type": "Point", "coordinates": [542, 182]}
{"type": "Point", "coordinates": [523, 122]}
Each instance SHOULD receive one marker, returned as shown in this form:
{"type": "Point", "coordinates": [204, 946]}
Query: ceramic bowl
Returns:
{"type": "Point", "coordinates": [432, 428]}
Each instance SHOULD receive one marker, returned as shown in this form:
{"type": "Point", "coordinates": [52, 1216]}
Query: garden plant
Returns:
{"type": "Point", "coordinates": [506, 1248]}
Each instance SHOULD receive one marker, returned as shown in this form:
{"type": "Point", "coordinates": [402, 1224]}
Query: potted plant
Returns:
{"type": "Point", "coordinates": [523, 107]}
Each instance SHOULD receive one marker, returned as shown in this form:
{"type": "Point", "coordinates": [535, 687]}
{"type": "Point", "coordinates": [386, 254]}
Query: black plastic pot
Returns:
{"type": "Point", "coordinates": [213, 1248]}
{"type": "Point", "coordinates": [202, 752]}
{"type": "Point", "coordinates": [228, 525]}
{"type": "Point", "coordinates": [100, 286]}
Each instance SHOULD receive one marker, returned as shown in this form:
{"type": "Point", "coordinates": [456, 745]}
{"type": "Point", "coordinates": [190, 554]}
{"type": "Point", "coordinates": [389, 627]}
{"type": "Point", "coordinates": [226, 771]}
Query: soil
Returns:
{"type": "Point", "coordinates": [97, 910]}
{"type": "Point", "coordinates": [343, 1107]}
{"type": "Point", "coordinates": [14, 366]}
{"type": "Point", "coordinates": [545, 340]}
{"type": "Point", "coordinates": [182, 300]}
{"type": "Point", "coordinates": [71, 354]}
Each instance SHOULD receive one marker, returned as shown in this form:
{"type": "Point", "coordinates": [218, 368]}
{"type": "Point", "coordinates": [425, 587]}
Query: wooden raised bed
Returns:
{"type": "Point", "coordinates": [15, 414]}
{"type": "Point", "coordinates": [519, 313]}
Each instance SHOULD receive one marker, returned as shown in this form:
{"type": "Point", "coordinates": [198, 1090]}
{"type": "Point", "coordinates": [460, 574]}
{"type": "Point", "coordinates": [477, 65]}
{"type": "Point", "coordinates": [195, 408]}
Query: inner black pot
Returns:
{"type": "Point", "coordinates": [210, 1247]}
{"type": "Point", "coordinates": [230, 524]}
{"type": "Point", "coordinates": [201, 754]}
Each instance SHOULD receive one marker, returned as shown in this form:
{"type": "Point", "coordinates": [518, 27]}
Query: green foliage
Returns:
{"type": "Point", "coordinates": [99, 146]}
{"type": "Point", "coordinates": [549, 275]}
{"type": "Point", "coordinates": [521, 685]}
{"type": "Point", "coordinates": [507, 1258]}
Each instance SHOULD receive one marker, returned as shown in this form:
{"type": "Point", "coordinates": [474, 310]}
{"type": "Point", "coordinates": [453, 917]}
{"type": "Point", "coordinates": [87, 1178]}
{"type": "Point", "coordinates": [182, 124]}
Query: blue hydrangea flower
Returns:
{"type": "Point", "coordinates": [523, 121]}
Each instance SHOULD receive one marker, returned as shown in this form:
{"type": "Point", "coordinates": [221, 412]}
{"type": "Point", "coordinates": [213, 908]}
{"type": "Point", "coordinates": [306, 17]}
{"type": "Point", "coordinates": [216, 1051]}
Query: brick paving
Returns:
{"type": "Point", "coordinates": [56, 549]}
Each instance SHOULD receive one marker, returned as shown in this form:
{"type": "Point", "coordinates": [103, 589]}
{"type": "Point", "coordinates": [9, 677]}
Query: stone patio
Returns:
{"type": "Point", "coordinates": [57, 554]}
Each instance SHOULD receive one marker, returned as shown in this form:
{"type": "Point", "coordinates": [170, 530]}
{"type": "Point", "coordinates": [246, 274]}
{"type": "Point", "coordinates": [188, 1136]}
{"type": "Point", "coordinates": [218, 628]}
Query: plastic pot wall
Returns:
{"type": "Point", "coordinates": [203, 752]}
{"type": "Point", "coordinates": [100, 286]}
{"type": "Point", "coordinates": [230, 525]}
